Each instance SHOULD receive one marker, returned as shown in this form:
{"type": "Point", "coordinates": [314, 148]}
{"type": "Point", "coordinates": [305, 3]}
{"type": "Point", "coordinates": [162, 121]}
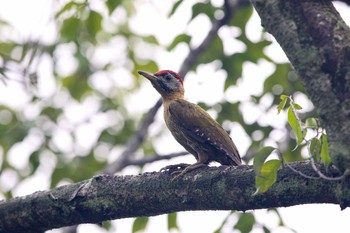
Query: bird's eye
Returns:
{"type": "Point", "coordinates": [167, 76]}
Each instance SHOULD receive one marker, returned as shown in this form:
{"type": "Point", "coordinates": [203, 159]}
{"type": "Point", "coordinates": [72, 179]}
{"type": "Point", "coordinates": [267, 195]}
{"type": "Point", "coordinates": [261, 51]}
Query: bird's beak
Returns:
{"type": "Point", "coordinates": [147, 75]}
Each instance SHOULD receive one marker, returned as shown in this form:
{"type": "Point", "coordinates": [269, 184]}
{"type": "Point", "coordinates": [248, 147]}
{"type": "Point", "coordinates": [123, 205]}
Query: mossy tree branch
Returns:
{"type": "Point", "coordinates": [107, 197]}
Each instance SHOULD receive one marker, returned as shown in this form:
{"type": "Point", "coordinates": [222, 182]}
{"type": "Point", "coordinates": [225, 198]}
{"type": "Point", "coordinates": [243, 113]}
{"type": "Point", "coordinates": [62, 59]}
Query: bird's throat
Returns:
{"type": "Point", "coordinates": [171, 97]}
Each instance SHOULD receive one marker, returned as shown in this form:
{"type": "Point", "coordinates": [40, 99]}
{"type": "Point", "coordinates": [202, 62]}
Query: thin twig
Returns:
{"type": "Point", "coordinates": [300, 173]}
{"type": "Point", "coordinates": [321, 175]}
{"type": "Point", "coordinates": [280, 155]}
{"type": "Point", "coordinates": [154, 158]}
{"type": "Point", "coordinates": [134, 142]}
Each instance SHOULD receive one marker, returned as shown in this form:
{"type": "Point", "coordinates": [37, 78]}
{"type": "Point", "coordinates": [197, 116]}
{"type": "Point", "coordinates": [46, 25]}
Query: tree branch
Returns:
{"type": "Point", "coordinates": [317, 42]}
{"type": "Point", "coordinates": [108, 197]}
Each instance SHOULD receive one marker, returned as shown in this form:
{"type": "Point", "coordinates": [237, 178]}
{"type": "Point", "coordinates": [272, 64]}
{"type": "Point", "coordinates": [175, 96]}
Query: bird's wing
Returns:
{"type": "Point", "coordinates": [197, 124]}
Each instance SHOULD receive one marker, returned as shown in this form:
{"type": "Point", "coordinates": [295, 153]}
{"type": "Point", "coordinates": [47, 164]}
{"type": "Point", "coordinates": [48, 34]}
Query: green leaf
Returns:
{"type": "Point", "coordinates": [234, 67]}
{"type": "Point", "coordinates": [4, 22]}
{"type": "Point", "coordinates": [70, 29]}
{"type": "Point", "coordinates": [94, 23]}
{"type": "Point", "coordinates": [326, 158]}
{"type": "Point", "coordinates": [282, 104]}
{"type": "Point", "coordinates": [241, 17]}
{"type": "Point", "coordinates": [77, 86]}
{"type": "Point", "coordinates": [213, 52]}
{"type": "Point", "coordinates": [266, 230]}
{"type": "Point", "coordinates": [260, 158]}
{"type": "Point", "coordinates": [315, 148]}
{"type": "Point", "coordinates": [52, 113]}
{"type": "Point", "coordinates": [6, 49]}
{"type": "Point", "coordinates": [294, 123]}
{"type": "Point", "coordinates": [296, 106]}
{"type": "Point", "coordinates": [151, 39]}
{"type": "Point", "coordinates": [34, 161]}
{"type": "Point", "coordinates": [70, 6]}
{"type": "Point", "coordinates": [140, 224]}
{"type": "Point", "coordinates": [255, 51]}
{"type": "Point", "coordinates": [175, 6]}
{"type": "Point", "coordinates": [149, 65]}
{"type": "Point", "coordinates": [203, 8]}
{"type": "Point", "coordinates": [267, 177]}
{"type": "Point", "coordinates": [283, 97]}
{"type": "Point", "coordinates": [311, 123]}
{"type": "Point", "coordinates": [16, 128]}
{"type": "Point", "coordinates": [278, 215]}
{"type": "Point", "coordinates": [279, 82]}
{"type": "Point", "coordinates": [112, 4]}
{"type": "Point", "coordinates": [245, 222]}
{"type": "Point", "coordinates": [172, 221]}
{"type": "Point", "coordinates": [179, 39]}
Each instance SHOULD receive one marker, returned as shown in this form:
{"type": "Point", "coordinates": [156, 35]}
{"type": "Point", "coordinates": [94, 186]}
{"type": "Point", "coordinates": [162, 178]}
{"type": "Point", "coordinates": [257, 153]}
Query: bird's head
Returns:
{"type": "Point", "coordinates": [168, 83]}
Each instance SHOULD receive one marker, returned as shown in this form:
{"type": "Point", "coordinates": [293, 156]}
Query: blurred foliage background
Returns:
{"type": "Point", "coordinates": [71, 98]}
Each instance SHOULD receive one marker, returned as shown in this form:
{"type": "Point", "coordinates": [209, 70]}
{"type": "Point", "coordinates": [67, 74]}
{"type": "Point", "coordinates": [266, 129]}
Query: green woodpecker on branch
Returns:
{"type": "Point", "coordinates": [191, 125]}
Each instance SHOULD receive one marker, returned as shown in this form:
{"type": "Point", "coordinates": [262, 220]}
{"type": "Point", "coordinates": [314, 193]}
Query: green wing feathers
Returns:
{"type": "Point", "coordinates": [198, 125]}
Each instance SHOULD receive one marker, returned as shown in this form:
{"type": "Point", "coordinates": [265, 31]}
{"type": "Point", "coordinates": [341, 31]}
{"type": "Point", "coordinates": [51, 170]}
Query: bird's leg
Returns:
{"type": "Point", "coordinates": [174, 167]}
{"type": "Point", "coordinates": [202, 161]}
{"type": "Point", "coordinates": [179, 174]}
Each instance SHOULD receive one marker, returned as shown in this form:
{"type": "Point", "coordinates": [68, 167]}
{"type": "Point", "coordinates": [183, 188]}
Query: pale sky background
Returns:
{"type": "Point", "coordinates": [32, 21]}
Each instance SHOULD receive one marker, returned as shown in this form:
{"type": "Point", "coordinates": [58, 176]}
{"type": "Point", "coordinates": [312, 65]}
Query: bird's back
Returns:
{"type": "Point", "coordinates": [198, 132]}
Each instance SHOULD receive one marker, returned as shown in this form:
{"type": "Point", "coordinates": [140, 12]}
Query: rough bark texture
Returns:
{"type": "Point", "coordinates": [317, 42]}
{"type": "Point", "coordinates": [108, 197]}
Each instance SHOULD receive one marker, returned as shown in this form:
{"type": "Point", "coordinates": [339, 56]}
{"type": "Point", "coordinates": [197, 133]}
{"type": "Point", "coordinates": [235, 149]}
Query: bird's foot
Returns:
{"type": "Point", "coordinates": [176, 167]}
{"type": "Point", "coordinates": [178, 174]}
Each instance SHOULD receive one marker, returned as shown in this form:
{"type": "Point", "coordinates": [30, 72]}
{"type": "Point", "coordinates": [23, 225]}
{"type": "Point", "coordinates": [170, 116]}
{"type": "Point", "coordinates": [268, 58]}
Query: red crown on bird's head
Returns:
{"type": "Point", "coordinates": [176, 75]}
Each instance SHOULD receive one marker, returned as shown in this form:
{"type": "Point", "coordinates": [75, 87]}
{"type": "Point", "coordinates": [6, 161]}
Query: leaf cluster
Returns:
{"type": "Point", "coordinates": [266, 170]}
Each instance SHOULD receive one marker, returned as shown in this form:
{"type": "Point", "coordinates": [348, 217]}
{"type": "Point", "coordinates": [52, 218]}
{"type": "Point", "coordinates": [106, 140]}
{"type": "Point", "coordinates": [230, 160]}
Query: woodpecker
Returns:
{"type": "Point", "coordinates": [191, 125]}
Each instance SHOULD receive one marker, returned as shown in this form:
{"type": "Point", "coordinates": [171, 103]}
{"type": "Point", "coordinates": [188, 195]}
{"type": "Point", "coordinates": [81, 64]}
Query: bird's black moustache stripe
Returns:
{"type": "Point", "coordinates": [164, 86]}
